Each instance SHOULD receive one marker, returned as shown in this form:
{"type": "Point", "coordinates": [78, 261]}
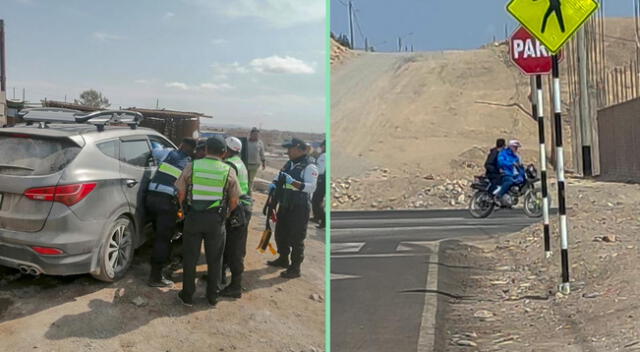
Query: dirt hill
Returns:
{"type": "Point", "coordinates": [428, 119]}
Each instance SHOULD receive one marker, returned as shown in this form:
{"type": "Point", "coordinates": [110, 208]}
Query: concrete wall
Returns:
{"type": "Point", "coordinates": [619, 138]}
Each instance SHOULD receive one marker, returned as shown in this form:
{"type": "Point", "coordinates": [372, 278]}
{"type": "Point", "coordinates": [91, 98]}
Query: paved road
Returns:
{"type": "Point", "coordinates": [375, 256]}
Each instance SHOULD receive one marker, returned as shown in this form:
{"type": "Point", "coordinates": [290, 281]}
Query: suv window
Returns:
{"type": "Point", "coordinates": [25, 155]}
{"type": "Point", "coordinates": [136, 153]}
{"type": "Point", "coordinates": [109, 148]}
{"type": "Point", "coordinates": [157, 142]}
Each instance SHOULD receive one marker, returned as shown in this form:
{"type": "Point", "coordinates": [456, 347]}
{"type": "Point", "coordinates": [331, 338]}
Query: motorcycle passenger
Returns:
{"type": "Point", "coordinates": [511, 168]}
{"type": "Point", "coordinates": [491, 164]}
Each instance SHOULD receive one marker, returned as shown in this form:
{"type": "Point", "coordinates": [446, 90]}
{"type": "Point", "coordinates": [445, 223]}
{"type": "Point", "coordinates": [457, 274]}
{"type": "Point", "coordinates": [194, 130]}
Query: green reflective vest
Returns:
{"type": "Point", "coordinates": [209, 178]}
{"type": "Point", "coordinates": [243, 175]}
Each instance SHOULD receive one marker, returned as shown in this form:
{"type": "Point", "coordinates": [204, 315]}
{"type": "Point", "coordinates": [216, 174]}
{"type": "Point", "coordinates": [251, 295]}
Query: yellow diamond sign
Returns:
{"type": "Point", "coordinates": [552, 22]}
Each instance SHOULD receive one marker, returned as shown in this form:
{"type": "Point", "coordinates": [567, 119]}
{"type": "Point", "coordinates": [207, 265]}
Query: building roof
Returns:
{"type": "Point", "coordinates": [162, 113]}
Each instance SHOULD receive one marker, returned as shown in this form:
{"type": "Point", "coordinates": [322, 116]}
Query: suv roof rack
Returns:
{"type": "Point", "coordinates": [44, 116]}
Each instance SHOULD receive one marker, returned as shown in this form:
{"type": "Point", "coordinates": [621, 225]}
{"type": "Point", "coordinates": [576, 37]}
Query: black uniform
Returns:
{"type": "Point", "coordinates": [237, 228]}
{"type": "Point", "coordinates": [293, 217]}
{"type": "Point", "coordinates": [162, 207]}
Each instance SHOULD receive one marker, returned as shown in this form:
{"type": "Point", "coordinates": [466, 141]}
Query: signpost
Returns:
{"type": "Point", "coordinates": [533, 58]}
{"type": "Point", "coordinates": [553, 22]}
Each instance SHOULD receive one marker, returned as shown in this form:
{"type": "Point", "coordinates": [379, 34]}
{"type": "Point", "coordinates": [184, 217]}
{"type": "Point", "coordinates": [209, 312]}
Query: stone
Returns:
{"type": "Point", "coordinates": [466, 343]}
{"type": "Point", "coordinates": [483, 314]}
{"type": "Point", "coordinates": [316, 297]}
{"type": "Point", "coordinates": [139, 301]}
{"type": "Point", "coordinates": [592, 295]}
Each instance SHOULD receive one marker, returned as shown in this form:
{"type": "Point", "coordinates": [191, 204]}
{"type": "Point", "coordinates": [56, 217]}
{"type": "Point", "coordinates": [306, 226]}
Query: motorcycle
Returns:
{"type": "Point", "coordinates": [483, 203]}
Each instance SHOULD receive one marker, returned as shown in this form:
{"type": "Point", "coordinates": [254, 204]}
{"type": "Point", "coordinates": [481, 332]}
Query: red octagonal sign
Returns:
{"type": "Point", "coordinates": [531, 56]}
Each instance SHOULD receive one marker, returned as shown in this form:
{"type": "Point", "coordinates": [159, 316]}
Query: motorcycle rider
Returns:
{"type": "Point", "coordinates": [491, 164]}
{"type": "Point", "coordinates": [512, 170]}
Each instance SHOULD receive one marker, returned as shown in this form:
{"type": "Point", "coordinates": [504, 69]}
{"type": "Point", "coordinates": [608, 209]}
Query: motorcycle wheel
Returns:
{"type": "Point", "coordinates": [533, 203]}
{"type": "Point", "coordinates": [481, 205]}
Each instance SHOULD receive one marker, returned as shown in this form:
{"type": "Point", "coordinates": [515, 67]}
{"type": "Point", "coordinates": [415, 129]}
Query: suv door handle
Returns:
{"type": "Point", "coordinates": [131, 182]}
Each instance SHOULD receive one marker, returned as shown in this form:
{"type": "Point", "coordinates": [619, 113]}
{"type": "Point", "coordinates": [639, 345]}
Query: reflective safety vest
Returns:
{"type": "Point", "coordinates": [168, 172]}
{"type": "Point", "coordinates": [243, 175]}
{"type": "Point", "coordinates": [209, 178]}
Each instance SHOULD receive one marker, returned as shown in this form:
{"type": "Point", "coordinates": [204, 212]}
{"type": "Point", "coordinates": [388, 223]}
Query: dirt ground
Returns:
{"type": "Point", "coordinates": [79, 313]}
{"type": "Point", "coordinates": [509, 299]}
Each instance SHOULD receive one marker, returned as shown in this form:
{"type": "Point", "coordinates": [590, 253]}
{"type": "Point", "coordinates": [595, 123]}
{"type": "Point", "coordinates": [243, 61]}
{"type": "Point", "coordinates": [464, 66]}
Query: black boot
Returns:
{"type": "Point", "coordinates": [291, 273]}
{"type": "Point", "coordinates": [157, 279]}
{"type": "Point", "coordinates": [234, 290]}
{"type": "Point", "coordinates": [281, 262]}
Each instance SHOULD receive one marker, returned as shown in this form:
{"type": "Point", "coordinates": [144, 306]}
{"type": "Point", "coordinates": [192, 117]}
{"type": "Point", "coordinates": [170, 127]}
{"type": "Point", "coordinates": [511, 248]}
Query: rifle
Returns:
{"type": "Point", "coordinates": [269, 210]}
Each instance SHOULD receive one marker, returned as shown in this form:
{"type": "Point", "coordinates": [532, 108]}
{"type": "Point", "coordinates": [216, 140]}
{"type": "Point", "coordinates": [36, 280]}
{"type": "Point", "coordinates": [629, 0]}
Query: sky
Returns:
{"type": "Point", "coordinates": [432, 25]}
{"type": "Point", "coordinates": [245, 62]}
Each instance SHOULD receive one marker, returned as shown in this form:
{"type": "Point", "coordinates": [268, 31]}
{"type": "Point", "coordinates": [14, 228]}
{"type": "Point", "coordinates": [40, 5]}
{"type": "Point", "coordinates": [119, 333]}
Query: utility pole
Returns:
{"type": "Point", "coordinates": [399, 44]}
{"type": "Point", "coordinates": [3, 66]}
{"type": "Point", "coordinates": [157, 103]}
{"type": "Point", "coordinates": [585, 116]}
{"type": "Point", "coordinates": [351, 24]}
{"type": "Point", "coordinates": [23, 94]}
{"type": "Point", "coordinates": [366, 44]}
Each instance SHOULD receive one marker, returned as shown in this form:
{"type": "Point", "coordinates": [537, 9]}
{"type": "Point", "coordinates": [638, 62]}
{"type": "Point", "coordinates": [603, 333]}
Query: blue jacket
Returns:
{"type": "Point", "coordinates": [507, 161]}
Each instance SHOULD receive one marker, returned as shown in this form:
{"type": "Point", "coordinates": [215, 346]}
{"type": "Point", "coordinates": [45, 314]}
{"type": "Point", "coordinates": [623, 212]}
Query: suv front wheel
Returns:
{"type": "Point", "coordinates": [116, 251]}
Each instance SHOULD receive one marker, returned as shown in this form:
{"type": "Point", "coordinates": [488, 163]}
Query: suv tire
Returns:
{"type": "Point", "coordinates": [116, 251]}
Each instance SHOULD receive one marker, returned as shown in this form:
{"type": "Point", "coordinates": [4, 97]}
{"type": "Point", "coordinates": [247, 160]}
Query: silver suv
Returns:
{"type": "Point", "coordinates": [72, 194]}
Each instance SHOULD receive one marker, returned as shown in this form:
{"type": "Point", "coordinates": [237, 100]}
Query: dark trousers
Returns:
{"type": "Point", "coordinates": [318, 197]}
{"type": "Point", "coordinates": [236, 245]}
{"type": "Point", "coordinates": [162, 208]}
{"type": "Point", "coordinates": [291, 230]}
{"type": "Point", "coordinates": [208, 227]}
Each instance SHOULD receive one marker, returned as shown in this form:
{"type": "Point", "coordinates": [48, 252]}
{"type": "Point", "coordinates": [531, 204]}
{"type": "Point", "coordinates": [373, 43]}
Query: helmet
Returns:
{"type": "Point", "coordinates": [234, 144]}
{"type": "Point", "coordinates": [515, 143]}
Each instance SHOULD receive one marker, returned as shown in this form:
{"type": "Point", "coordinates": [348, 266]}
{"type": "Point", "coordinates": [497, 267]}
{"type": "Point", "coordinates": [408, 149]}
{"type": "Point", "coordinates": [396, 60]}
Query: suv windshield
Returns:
{"type": "Point", "coordinates": [33, 156]}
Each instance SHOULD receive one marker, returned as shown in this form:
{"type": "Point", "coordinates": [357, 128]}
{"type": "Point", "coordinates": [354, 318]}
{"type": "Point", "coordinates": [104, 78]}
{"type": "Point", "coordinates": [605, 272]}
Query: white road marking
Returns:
{"type": "Point", "coordinates": [378, 255]}
{"type": "Point", "coordinates": [427, 339]}
{"type": "Point", "coordinates": [343, 276]}
{"type": "Point", "coordinates": [411, 246]}
{"type": "Point", "coordinates": [351, 247]}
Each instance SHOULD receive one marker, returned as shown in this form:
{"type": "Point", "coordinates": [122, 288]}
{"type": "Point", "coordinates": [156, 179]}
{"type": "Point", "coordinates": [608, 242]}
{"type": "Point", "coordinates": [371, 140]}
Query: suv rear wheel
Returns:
{"type": "Point", "coordinates": [116, 251]}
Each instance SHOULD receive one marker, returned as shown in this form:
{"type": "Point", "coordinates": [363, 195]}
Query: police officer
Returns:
{"type": "Point", "coordinates": [162, 206]}
{"type": "Point", "coordinates": [318, 195]}
{"type": "Point", "coordinates": [237, 225]}
{"type": "Point", "coordinates": [298, 180]}
{"type": "Point", "coordinates": [208, 189]}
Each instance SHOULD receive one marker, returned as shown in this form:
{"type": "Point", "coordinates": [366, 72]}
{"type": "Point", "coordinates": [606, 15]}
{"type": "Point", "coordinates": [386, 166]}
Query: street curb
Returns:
{"type": "Point", "coordinates": [427, 337]}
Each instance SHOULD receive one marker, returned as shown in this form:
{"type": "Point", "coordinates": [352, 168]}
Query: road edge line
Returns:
{"type": "Point", "coordinates": [427, 337]}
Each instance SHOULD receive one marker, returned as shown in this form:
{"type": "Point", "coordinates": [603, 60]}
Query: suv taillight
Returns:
{"type": "Point", "coordinates": [66, 194]}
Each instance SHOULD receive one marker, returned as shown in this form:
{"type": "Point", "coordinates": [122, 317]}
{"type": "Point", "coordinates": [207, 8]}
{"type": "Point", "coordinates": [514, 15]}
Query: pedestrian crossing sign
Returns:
{"type": "Point", "coordinates": [552, 22]}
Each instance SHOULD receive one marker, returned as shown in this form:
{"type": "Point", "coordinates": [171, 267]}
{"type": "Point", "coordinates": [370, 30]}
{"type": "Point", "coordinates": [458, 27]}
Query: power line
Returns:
{"type": "Point", "coordinates": [343, 4]}
{"type": "Point", "coordinates": [355, 16]}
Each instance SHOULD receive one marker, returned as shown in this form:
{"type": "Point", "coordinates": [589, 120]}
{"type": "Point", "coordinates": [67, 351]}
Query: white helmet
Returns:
{"type": "Point", "coordinates": [234, 144]}
{"type": "Point", "coordinates": [515, 143]}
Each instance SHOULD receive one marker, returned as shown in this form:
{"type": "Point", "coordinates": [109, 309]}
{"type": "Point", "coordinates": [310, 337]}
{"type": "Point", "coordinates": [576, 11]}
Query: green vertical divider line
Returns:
{"type": "Point", "coordinates": [327, 198]}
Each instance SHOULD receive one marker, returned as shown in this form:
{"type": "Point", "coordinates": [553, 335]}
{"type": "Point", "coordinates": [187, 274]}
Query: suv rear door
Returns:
{"type": "Point", "coordinates": [136, 169]}
{"type": "Point", "coordinates": [29, 161]}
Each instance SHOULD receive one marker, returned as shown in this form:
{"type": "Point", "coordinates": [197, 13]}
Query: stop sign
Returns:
{"type": "Point", "coordinates": [531, 57]}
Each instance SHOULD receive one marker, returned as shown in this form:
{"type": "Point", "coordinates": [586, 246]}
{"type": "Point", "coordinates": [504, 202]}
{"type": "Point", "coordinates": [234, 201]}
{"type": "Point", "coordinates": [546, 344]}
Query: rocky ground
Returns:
{"type": "Point", "coordinates": [81, 314]}
{"type": "Point", "coordinates": [509, 299]}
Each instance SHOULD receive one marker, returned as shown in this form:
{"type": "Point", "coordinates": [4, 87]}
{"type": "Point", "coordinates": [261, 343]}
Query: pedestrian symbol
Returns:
{"type": "Point", "coordinates": [554, 6]}
{"type": "Point", "coordinates": [552, 22]}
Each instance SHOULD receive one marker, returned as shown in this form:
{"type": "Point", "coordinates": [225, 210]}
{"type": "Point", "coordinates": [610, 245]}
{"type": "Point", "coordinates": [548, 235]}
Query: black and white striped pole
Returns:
{"type": "Point", "coordinates": [543, 166]}
{"type": "Point", "coordinates": [557, 108]}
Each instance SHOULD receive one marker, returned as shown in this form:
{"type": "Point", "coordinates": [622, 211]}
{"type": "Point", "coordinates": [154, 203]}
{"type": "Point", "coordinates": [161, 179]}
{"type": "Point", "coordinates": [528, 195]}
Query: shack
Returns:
{"type": "Point", "coordinates": [175, 125]}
